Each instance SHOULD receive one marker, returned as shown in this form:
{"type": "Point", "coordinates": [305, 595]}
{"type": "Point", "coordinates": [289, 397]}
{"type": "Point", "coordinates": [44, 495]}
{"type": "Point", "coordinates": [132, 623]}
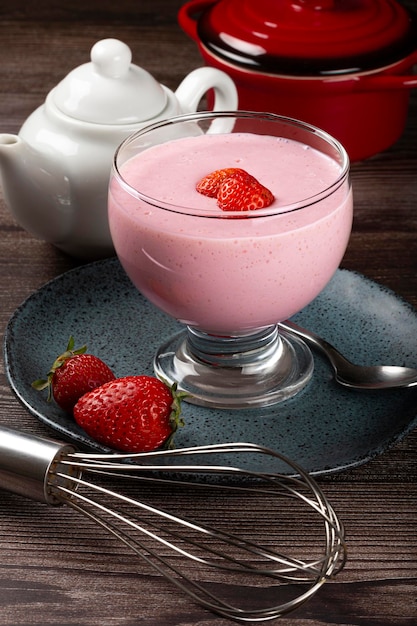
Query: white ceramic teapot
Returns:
{"type": "Point", "coordinates": [55, 172]}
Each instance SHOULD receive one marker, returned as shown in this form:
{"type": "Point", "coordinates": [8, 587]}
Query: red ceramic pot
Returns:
{"type": "Point", "coordinates": [342, 65]}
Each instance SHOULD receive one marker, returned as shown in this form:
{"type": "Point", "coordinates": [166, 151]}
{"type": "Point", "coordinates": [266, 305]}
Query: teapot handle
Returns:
{"type": "Point", "coordinates": [201, 80]}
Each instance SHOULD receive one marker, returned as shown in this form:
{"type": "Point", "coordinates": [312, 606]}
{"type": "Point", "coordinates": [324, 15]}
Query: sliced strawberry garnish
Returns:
{"type": "Point", "coordinates": [235, 190]}
{"type": "Point", "coordinates": [242, 192]}
{"type": "Point", "coordinates": [210, 184]}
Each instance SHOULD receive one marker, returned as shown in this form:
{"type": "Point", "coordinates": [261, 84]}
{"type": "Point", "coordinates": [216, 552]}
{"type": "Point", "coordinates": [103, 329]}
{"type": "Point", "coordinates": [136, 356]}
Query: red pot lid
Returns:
{"type": "Point", "coordinates": [306, 37]}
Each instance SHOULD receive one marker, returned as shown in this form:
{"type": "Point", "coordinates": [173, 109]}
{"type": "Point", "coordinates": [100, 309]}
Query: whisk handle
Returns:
{"type": "Point", "coordinates": [27, 464]}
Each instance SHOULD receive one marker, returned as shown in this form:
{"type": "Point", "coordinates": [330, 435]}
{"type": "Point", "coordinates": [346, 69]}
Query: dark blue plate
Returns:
{"type": "Point", "coordinates": [325, 428]}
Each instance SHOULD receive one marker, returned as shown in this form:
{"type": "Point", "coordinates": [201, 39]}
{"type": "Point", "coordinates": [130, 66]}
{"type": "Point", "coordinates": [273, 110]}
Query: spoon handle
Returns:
{"type": "Point", "coordinates": [326, 348]}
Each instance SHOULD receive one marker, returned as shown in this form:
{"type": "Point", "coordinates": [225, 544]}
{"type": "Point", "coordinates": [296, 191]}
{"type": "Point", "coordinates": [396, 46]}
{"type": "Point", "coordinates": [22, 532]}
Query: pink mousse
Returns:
{"type": "Point", "coordinates": [227, 275]}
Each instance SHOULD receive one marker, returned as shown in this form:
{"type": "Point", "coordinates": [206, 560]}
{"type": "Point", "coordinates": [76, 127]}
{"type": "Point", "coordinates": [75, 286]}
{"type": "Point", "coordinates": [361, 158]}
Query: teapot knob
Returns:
{"type": "Point", "coordinates": [111, 58]}
{"type": "Point", "coordinates": [110, 89]}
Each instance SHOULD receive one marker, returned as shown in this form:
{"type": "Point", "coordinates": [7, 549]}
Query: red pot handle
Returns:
{"type": "Point", "coordinates": [189, 13]}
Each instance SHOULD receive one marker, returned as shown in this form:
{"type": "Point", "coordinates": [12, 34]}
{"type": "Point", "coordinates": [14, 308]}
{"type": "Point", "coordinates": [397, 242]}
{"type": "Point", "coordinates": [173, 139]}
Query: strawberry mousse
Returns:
{"type": "Point", "coordinates": [222, 272]}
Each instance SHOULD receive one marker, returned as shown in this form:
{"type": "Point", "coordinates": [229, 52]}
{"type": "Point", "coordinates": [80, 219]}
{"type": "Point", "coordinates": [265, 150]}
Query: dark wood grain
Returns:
{"type": "Point", "coordinates": [57, 569]}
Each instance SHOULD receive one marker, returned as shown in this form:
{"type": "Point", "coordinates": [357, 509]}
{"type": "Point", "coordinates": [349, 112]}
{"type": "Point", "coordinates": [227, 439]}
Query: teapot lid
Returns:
{"type": "Point", "coordinates": [306, 37]}
{"type": "Point", "coordinates": [110, 89]}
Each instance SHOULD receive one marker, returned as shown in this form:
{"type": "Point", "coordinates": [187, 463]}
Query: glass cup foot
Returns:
{"type": "Point", "coordinates": [255, 370]}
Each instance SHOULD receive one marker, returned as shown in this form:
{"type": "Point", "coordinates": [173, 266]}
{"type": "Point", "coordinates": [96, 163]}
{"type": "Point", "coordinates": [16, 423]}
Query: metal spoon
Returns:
{"type": "Point", "coordinates": [356, 376]}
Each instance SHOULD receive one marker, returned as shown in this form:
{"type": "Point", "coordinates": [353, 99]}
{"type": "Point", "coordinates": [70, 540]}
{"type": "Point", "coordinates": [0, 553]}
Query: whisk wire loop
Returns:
{"type": "Point", "coordinates": [192, 588]}
{"type": "Point", "coordinates": [286, 498]}
{"type": "Point", "coordinates": [291, 565]}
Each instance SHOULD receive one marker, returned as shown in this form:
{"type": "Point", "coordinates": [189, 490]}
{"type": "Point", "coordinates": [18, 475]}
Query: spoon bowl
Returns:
{"type": "Point", "coordinates": [351, 375]}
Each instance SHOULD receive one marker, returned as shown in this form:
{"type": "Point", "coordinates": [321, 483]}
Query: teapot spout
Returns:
{"type": "Point", "coordinates": [32, 188]}
{"type": "Point", "coordinates": [7, 139]}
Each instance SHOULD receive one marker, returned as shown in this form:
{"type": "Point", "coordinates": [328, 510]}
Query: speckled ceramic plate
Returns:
{"type": "Point", "coordinates": [325, 428]}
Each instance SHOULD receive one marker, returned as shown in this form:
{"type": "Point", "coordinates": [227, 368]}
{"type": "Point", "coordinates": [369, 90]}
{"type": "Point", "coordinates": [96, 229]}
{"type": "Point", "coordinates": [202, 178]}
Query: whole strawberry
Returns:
{"type": "Point", "coordinates": [131, 414]}
{"type": "Point", "coordinates": [72, 374]}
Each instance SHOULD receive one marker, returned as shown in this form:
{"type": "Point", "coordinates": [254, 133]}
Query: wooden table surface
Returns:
{"type": "Point", "coordinates": [51, 571]}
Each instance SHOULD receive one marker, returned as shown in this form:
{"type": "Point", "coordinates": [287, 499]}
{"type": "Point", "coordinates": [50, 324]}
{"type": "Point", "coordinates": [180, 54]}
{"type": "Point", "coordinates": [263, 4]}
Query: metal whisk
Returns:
{"type": "Point", "coordinates": [275, 577]}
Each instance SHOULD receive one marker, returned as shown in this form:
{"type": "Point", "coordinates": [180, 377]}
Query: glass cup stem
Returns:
{"type": "Point", "coordinates": [247, 370]}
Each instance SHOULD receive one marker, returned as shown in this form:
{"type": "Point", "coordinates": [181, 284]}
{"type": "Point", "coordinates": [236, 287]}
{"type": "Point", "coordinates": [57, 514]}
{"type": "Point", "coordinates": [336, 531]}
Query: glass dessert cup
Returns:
{"type": "Point", "coordinates": [230, 277]}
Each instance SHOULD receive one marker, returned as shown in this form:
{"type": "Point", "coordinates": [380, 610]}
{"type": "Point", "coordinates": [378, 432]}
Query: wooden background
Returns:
{"type": "Point", "coordinates": [51, 570]}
